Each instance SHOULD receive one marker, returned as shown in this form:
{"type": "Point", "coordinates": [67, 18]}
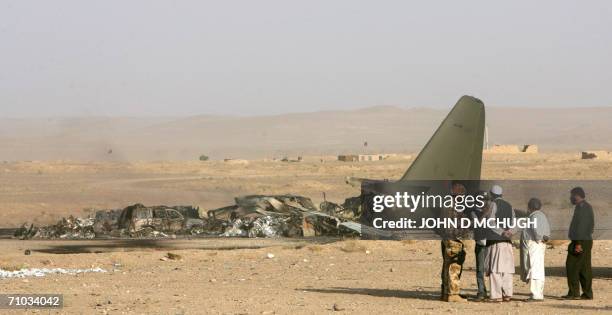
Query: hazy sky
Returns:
{"type": "Point", "coordinates": [266, 57]}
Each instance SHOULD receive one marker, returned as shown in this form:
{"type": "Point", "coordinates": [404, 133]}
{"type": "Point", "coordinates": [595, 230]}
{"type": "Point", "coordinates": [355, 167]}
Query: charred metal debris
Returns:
{"type": "Point", "coordinates": [250, 216]}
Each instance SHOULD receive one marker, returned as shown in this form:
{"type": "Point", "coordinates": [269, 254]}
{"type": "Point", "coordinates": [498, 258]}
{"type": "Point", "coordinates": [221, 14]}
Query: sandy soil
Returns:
{"type": "Point", "coordinates": [234, 276]}
{"type": "Point", "coordinates": [358, 276]}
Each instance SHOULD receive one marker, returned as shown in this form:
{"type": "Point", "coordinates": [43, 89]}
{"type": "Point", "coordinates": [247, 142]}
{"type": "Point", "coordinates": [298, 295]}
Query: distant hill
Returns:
{"type": "Point", "coordinates": [385, 128]}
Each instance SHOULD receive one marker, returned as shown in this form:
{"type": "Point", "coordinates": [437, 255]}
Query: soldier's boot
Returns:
{"type": "Point", "coordinates": [455, 298]}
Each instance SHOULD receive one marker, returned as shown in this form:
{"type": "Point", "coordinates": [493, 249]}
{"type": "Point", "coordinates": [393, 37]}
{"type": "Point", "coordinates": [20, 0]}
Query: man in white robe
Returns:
{"type": "Point", "coordinates": [499, 260]}
{"type": "Point", "coordinates": [533, 248]}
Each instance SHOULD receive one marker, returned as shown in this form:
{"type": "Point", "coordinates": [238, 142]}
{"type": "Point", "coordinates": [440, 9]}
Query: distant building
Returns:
{"type": "Point", "coordinates": [287, 159]}
{"type": "Point", "coordinates": [348, 158]}
{"type": "Point", "coordinates": [589, 155]}
{"type": "Point", "coordinates": [371, 157]}
{"type": "Point", "coordinates": [361, 157]}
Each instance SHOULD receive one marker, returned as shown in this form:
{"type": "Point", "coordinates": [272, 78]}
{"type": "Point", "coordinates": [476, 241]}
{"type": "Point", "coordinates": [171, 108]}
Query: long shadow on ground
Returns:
{"type": "Point", "coordinates": [99, 246]}
{"type": "Point", "coordinates": [432, 295]}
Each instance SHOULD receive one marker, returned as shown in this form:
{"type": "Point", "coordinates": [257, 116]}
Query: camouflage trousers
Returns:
{"type": "Point", "coordinates": [453, 256]}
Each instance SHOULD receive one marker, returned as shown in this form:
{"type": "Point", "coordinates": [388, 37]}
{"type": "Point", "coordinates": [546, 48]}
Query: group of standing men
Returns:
{"type": "Point", "coordinates": [494, 250]}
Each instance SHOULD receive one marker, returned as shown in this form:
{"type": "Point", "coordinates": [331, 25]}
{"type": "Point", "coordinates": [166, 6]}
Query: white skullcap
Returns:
{"type": "Point", "coordinates": [496, 189]}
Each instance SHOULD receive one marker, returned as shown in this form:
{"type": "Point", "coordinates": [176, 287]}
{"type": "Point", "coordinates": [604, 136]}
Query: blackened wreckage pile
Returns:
{"type": "Point", "coordinates": [250, 216]}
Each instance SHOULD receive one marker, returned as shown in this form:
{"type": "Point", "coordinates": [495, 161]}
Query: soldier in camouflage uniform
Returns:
{"type": "Point", "coordinates": [453, 254]}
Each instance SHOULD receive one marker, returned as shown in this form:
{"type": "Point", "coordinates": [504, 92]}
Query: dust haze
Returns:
{"type": "Point", "coordinates": [386, 129]}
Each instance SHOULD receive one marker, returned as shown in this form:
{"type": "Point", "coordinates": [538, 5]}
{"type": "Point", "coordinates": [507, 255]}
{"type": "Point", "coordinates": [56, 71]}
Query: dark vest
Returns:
{"type": "Point", "coordinates": [504, 211]}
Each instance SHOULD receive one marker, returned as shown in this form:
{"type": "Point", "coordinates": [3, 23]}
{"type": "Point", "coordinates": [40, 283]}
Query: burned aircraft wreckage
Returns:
{"type": "Point", "coordinates": [250, 216]}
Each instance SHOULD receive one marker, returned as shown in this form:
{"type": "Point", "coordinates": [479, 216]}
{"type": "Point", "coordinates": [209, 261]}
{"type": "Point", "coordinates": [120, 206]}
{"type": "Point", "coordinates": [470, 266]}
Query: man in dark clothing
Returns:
{"type": "Point", "coordinates": [480, 249]}
{"type": "Point", "coordinates": [578, 262]}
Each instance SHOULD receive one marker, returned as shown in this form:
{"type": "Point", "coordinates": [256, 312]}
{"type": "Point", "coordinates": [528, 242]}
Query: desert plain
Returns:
{"type": "Point", "coordinates": [258, 276]}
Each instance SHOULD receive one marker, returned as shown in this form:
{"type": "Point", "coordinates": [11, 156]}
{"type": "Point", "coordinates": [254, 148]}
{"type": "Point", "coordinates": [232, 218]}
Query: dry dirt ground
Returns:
{"type": "Point", "coordinates": [235, 276]}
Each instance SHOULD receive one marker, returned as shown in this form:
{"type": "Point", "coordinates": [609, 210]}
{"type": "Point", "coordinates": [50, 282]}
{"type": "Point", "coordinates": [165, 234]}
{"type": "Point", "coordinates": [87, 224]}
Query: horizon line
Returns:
{"type": "Point", "coordinates": [364, 108]}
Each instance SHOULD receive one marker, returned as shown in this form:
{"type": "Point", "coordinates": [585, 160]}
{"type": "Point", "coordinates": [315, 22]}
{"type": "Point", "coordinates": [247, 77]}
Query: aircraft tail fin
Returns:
{"type": "Point", "coordinates": [454, 152]}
